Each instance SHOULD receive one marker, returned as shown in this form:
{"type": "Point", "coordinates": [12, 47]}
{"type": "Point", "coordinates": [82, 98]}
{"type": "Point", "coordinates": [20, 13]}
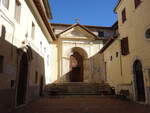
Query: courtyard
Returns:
{"type": "Point", "coordinates": [83, 104]}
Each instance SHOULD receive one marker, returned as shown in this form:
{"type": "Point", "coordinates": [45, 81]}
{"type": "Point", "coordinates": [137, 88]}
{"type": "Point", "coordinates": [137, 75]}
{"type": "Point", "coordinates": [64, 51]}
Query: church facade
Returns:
{"type": "Point", "coordinates": [78, 52]}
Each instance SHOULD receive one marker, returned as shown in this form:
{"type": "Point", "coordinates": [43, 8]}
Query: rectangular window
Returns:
{"type": "Point", "coordinates": [125, 46]}
{"type": "Point", "coordinates": [5, 3]}
{"type": "Point", "coordinates": [124, 15]}
{"type": "Point", "coordinates": [137, 3]}
{"type": "Point", "coordinates": [1, 63]}
{"type": "Point", "coordinates": [111, 58]}
{"type": "Point", "coordinates": [33, 30]}
{"type": "Point", "coordinates": [36, 77]}
{"type": "Point", "coordinates": [101, 33]}
{"type": "Point", "coordinates": [17, 11]}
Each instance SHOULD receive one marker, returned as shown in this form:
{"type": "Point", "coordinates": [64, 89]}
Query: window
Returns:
{"type": "Point", "coordinates": [1, 63]}
{"type": "Point", "coordinates": [101, 33]}
{"type": "Point", "coordinates": [17, 11]}
{"type": "Point", "coordinates": [36, 77]}
{"type": "Point", "coordinates": [125, 46]}
{"type": "Point", "coordinates": [137, 3]}
{"type": "Point", "coordinates": [117, 54]}
{"type": "Point", "coordinates": [33, 30]}
{"type": "Point", "coordinates": [147, 33]}
{"type": "Point", "coordinates": [5, 3]}
{"type": "Point", "coordinates": [3, 32]}
{"type": "Point", "coordinates": [111, 58]}
{"type": "Point", "coordinates": [124, 15]}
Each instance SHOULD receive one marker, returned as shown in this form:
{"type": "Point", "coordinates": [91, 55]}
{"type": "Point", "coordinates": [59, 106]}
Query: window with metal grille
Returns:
{"type": "Point", "coordinates": [125, 46]}
{"type": "Point", "coordinates": [124, 18]}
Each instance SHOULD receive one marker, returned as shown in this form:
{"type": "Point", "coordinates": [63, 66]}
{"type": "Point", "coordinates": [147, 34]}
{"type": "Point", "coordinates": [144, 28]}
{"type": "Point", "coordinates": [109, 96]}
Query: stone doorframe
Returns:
{"type": "Point", "coordinates": [20, 51]}
{"type": "Point", "coordinates": [66, 60]}
{"type": "Point", "coordinates": [134, 80]}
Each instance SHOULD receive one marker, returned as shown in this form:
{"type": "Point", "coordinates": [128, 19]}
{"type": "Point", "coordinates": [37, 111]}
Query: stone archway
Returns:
{"type": "Point", "coordinates": [139, 80]}
{"type": "Point", "coordinates": [77, 65]}
{"type": "Point", "coordinates": [24, 58]}
{"type": "Point", "coordinates": [22, 80]}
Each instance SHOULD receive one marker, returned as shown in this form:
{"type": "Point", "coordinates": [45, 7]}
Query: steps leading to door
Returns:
{"type": "Point", "coordinates": [78, 88]}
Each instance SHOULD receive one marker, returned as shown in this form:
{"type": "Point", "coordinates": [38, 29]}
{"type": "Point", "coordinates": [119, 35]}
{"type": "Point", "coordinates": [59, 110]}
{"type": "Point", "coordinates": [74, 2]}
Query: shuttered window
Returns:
{"type": "Point", "coordinates": [125, 46]}
{"type": "Point", "coordinates": [124, 15]}
{"type": "Point", "coordinates": [137, 3]}
{"type": "Point", "coordinates": [1, 64]}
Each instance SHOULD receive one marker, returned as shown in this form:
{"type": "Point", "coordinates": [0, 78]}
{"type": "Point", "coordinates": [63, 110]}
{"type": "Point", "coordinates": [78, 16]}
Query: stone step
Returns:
{"type": "Point", "coordinates": [78, 89]}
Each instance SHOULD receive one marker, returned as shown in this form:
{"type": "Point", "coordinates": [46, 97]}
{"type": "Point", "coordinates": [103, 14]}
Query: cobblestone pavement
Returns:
{"type": "Point", "coordinates": [83, 105]}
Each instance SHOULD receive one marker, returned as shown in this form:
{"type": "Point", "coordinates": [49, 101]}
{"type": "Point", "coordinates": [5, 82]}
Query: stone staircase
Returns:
{"type": "Point", "coordinates": [77, 88]}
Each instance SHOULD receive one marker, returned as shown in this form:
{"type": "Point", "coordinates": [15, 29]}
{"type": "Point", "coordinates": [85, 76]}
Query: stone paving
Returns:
{"type": "Point", "coordinates": [83, 105]}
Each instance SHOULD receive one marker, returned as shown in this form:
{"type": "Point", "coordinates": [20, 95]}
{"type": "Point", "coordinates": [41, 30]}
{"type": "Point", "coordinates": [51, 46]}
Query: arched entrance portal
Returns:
{"type": "Point", "coordinates": [76, 67]}
{"type": "Point", "coordinates": [139, 81]}
{"type": "Point", "coordinates": [22, 81]}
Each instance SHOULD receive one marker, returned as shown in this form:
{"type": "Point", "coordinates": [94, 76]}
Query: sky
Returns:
{"type": "Point", "coordinates": [90, 12]}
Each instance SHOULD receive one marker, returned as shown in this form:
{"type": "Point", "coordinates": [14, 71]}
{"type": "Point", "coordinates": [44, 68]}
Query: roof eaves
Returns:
{"type": "Point", "coordinates": [45, 20]}
{"type": "Point", "coordinates": [117, 6]}
{"type": "Point", "coordinates": [87, 26]}
{"type": "Point", "coordinates": [108, 43]}
{"type": "Point", "coordinates": [48, 9]}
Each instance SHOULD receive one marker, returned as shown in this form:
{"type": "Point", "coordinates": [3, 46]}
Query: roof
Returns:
{"type": "Point", "coordinates": [48, 9]}
{"type": "Point", "coordinates": [117, 5]}
{"type": "Point", "coordinates": [87, 26]}
{"type": "Point", "coordinates": [83, 27]}
{"type": "Point", "coordinates": [44, 17]}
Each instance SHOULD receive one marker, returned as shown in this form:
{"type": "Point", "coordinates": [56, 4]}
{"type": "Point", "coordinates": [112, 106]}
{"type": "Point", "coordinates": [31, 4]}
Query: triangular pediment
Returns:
{"type": "Point", "coordinates": [77, 32]}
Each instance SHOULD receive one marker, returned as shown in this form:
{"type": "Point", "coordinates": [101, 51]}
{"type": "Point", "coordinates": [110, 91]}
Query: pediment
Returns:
{"type": "Point", "coordinates": [77, 32]}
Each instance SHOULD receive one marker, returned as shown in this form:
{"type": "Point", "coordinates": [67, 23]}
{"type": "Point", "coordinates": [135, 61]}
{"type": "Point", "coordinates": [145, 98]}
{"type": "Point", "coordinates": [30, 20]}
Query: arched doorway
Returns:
{"type": "Point", "coordinates": [76, 67]}
{"type": "Point", "coordinates": [22, 80]}
{"type": "Point", "coordinates": [139, 81]}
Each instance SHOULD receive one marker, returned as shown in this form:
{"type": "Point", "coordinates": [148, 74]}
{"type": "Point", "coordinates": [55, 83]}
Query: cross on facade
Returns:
{"type": "Point", "coordinates": [77, 20]}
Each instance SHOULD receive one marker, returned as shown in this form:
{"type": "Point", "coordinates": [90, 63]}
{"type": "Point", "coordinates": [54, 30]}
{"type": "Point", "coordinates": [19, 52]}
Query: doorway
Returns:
{"type": "Point", "coordinates": [22, 80]}
{"type": "Point", "coordinates": [139, 81]}
{"type": "Point", "coordinates": [76, 67]}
